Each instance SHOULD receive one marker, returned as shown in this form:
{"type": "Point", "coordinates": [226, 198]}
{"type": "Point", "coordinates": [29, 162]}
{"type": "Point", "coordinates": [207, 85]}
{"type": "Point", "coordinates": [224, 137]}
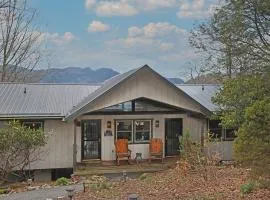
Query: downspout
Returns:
{"type": "Point", "coordinates": [75, 146]}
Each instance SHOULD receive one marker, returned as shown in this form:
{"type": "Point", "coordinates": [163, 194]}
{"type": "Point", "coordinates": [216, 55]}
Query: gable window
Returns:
{"type": "Point", "coordinates": [136, 131]}
{"type": "Point", "coordinates": [33, 124]}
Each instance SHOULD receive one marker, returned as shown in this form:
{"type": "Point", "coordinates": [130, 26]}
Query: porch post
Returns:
{"type": "Point", "coordinates": [75, 146]}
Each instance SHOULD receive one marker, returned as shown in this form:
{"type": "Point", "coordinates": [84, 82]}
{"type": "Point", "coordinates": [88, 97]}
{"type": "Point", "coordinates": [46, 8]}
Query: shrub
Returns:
{"type": "Point", "coordinates": [3, 191]}
{"type": "Point", "coordinates": [247, 188]}
{"type": "Point", "coordinates": [101, 186]}
{"type": "Point", "coordinates": [62, 181]}
{"type": "Point", "coordinates": [145, 176]}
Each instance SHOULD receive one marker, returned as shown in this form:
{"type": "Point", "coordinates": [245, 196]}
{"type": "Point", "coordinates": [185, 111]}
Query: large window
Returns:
{"type": "Point", "coordinates": [218, 132]}
{"type": "Point", "coordinates": [136, 131]}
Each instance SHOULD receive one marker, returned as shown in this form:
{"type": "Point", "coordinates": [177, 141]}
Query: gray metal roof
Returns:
{"type": "Point", "coordinates": [67, 100]}
{"type": "Point", "coordinates": [202, 93]}
{"type": "Point", "coordinates": [40, 99]}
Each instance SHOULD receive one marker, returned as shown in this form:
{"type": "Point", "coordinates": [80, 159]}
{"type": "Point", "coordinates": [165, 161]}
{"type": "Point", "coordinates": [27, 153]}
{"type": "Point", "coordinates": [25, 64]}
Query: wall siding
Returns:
{"type": "Point", "coordinates": [58, 152]}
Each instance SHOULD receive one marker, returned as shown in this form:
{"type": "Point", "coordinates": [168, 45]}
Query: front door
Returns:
{"type": "Point", "coordinates": [173, 129]}
{"type": "Point", "coordinates": [91, 139]}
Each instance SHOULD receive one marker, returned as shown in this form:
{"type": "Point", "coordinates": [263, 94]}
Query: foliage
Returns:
{"type": "Point", "coordinates": [101, 186]}
{"type": "Point", "coordinates": [19, 147]}
{"type": "Point", "coordinates": [236, 43]}
{"type": "Point", "coordinates": [247, 188]}
{"type": "Point", "coordinates": [236, 38]}
{"type": "Point", "coordinates": [3, 191]}
{"type": "Point", "coordinates": [195, 157]}
{"type": "Point", "coordinates": [20, 41]}
{"type": "Point", "coordinates": [62, 181]}
{"type": "Point", "coordinates": [145, 176]}
{"type": "Point", "coordinates": [245, 105]}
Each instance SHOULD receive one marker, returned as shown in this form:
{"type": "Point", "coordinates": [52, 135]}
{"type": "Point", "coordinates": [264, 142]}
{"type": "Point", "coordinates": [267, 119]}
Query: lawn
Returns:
{"type": "Point", "coordinates": [223, 182]}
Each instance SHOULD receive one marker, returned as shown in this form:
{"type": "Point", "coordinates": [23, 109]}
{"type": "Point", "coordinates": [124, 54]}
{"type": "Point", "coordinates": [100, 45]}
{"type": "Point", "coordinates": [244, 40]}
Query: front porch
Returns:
{"type": "Point", "coordinates": [109, 168]}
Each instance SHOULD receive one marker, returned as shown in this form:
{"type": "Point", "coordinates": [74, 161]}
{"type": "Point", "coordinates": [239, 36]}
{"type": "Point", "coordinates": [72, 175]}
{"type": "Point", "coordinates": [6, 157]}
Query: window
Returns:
{"type": "Point", "coordinates": [142, 131]}
{"type": "Point", "coordinates": [136, 131]}
{"type": "Point", "coordinates": [215, 129]}
{"type": "Point", "coordinates": [33, 124]}
{"type": "Point", "coordinates": [218, 132]}
{"type": "Point", "coordinates": [124, 129]}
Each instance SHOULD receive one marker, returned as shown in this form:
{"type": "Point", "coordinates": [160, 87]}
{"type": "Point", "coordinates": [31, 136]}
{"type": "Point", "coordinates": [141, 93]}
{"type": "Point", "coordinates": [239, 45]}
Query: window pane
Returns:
{"type": "Point", "coordinates": [142, 125]}
{"type": "Point", "coordinates": [124, 129]}
{"type": "Point", "coordinates": [142, 130]}
{"type": "Point", "coordinates": [215, 129]}
{"type": "Point", "coordinates": [142, 136]}
{"type": "Point", "coordinates": [124, 135]}
{"type": "Point", "coordinates": [33, 125]}
{"type": "Point", "coordinates": [230, 134]}
{"type": "Point", "coordinates": [125, 125]}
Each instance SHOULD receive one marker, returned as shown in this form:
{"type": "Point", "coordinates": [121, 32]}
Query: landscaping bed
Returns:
{"type": "Point", "coordinates": [223, 182]}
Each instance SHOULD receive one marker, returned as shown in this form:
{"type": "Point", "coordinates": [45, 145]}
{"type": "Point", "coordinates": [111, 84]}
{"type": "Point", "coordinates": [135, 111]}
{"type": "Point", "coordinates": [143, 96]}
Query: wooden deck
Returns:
{"type": "Point", "coordinates": [89, 168]}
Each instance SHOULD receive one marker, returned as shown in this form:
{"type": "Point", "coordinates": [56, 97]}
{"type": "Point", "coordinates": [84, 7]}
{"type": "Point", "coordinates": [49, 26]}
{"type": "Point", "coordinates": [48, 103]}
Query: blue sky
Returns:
{"type": "Point", "coordinates": [121, 34]}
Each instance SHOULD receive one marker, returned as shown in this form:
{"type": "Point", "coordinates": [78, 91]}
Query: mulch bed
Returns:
{"type": "Point", "coordinates": [222, 183]}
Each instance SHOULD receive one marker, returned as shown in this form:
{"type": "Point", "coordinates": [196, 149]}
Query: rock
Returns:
{"type": "Point", "coordinates": [31, 188]}
{"type": "Point", "coordinates": [46, 186]}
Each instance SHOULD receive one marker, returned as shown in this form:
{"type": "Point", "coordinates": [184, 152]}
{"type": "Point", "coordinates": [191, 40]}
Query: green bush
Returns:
{"type": "Point", "coordinates": [101, 186]}
{"type": "Point", "coordinates": [247, 188]}
{"type": "Point", "coordinates": [3, 191]}
{"type": "Point", "coordinates": [62, 181]}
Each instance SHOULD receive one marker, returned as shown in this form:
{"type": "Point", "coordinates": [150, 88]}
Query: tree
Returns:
{"type": "Point", "coordinates": [19, 147]}
{"type": "Point", "coordinates": [236, 38]}
{"type": "Point", "coordinates": [20, 41]}
{"type": "Point", "coordinates": [236, 42]}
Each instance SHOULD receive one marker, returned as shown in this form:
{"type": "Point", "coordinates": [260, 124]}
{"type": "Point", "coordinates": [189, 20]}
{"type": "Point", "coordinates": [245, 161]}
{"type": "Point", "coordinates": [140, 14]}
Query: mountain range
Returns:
{"type": "Point", "coordinates": [81, 75]}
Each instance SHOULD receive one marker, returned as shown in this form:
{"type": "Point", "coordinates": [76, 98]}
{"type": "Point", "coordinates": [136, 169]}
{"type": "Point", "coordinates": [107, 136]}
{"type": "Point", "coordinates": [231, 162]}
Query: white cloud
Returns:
{"type": "Point", "coordinates": [119, 8]}
{"type": "Point", "coordinates": [134, 31]}
{"type": "Point", "coordinates": [58, 39]}
{"type": "Point", "coordinates": [157, 36]}
{"type": "Point", "coordinates": [196, 9]}
{"type": "Point", "coordinates": [89, 4]}
{"type": "Point", "coordinates": [127, 7]}
{"type": "Point", "coordinates": [161, 29]}
{"type": "Point", "coordinates": [97, 26]}
{"type": "Point", "coordinates": [153, 4]}
{"type": "Point", "coordinates": [152, 30]}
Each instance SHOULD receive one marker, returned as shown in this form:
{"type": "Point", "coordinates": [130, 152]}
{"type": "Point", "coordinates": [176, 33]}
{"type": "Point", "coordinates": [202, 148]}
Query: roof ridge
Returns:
{"type": "Point", "coordinates": [17, 83]}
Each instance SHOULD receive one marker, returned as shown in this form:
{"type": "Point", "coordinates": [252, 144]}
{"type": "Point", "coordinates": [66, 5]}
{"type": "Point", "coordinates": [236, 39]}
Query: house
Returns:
{"type": "Point", "coordinates": [85, 120]}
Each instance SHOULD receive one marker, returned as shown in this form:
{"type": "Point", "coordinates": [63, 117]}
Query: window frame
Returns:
{"type": "Point", "coordinates": [133, 131]}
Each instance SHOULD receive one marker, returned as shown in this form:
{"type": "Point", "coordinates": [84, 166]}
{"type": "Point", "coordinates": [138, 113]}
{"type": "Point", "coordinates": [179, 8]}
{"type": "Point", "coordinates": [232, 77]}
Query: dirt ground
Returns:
{"type": "Point", "coordinates": [222, 183]}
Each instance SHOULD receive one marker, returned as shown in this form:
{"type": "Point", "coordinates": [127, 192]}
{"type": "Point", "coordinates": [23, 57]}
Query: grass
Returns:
{"type": "Point", "coordinates": [247, 188]}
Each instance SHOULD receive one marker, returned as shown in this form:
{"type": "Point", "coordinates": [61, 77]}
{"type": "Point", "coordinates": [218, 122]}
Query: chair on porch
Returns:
{"type": "Point", "coordinates": [155, 149]}
{"type": "Point", "coordinates": [121, 150]}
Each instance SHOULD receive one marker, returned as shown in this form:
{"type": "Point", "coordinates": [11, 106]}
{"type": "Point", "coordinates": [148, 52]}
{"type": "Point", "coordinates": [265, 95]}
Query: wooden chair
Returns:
{"type": "Point", "coordinates": [121, 150]}
{"type": "Point", "coordinates": [155, 149]}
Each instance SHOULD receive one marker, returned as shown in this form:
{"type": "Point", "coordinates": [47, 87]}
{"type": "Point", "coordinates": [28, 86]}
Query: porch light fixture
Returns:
{"type": "Point", "coordinates": [109, 124]}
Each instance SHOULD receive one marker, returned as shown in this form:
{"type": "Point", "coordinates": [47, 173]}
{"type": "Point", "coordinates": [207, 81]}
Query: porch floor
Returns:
{"type": "Point", "coordinates": [101, 168]}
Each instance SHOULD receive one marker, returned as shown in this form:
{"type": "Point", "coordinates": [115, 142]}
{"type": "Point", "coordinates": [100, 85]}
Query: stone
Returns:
{"type": "Point", "coordinates": [31, 188]}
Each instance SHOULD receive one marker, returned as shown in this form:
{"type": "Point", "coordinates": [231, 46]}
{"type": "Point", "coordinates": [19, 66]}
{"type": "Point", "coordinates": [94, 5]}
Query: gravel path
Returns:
{"type": "Point", "coordinates": [42, 194]}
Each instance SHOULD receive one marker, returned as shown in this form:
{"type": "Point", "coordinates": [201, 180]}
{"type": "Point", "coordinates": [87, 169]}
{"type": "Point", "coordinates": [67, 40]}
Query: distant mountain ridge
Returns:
{"type": "Point", "coordinates": [82, 75]}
